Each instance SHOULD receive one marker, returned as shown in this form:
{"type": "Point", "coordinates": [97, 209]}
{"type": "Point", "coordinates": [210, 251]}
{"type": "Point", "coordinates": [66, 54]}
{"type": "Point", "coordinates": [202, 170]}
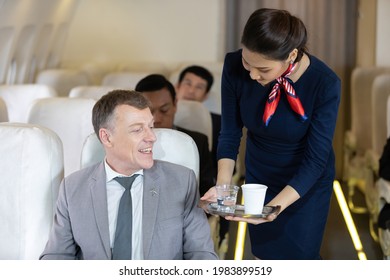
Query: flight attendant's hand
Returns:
{"type": "Point", "coordinates": [254, 221]}
{"type": "Point", "coordinates": [208, 197]}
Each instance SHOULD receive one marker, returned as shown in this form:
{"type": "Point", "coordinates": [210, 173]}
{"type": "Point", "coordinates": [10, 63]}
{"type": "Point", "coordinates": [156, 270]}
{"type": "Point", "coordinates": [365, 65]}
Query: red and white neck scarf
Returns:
{"type": "Point", "coordinates": [274, 97]}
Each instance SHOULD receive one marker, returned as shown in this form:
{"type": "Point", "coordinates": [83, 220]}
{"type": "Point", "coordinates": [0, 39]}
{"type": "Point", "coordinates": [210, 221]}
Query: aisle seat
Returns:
{"type": "Point", "coordinates": [358, 141]}
{"type": "Point", "coordinates": [91, 92]}
{"type": "Point", "coordinates": [62, 80]}
{"type": "Point", "coordinates": [32, 168]}
{"type": "Point", "coordinates": [71, 119]}
{"type": "Point", "coordinates": [123, 80]}
{"type": "Point", "coordinates": [19, 98]}
{"type": "Point", "coordinates": [171, 145]}
{"type": "Point", "coordinates": [3, 111]}
{"type": "Point", "coordinates": [193, 115]}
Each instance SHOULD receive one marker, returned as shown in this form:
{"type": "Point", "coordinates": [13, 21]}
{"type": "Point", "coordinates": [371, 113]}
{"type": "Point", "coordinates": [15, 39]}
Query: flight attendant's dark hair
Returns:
{"type": "Point", "coordinates": [274, 33]}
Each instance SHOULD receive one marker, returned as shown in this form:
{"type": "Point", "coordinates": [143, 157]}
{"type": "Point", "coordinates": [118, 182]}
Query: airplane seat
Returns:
{"type": "Point", "coordinates": [3, 111]}
{"type": "Point", "coordinates": [124, 79]}
{"type": "Point", "coordinates": [177, 147]}
{"type": "Point", "coordinates": [32, 168]}
{"type": "Point", "coordinates": [144, 67]}
{"type": "Point", "coordinates": [213, 102]}
{"type": "Point", "coordinates": [91, 92]}
{"type": "Point", "coordinates": [359, 139]}
{"type": "Point", "coordinates": [193, 115]}
{"type": "Point", "coordinates": [71, 119]}
{"type": "Point", "coordinates": [62, 80]}
{"type": "Point", "coordinates": [388, 117]}
{"type": "Point", "coordinates": [19, 98]}
{"type": "Point", "coordinates": [380, 95]}
{"type": "Point", "coordinates": [383, 187]}
{"type": "Point", "coordinates": [383, 200]}
{"type": "Point", "coordinates": [92, 151]}
{"type": "Point", "coordinates": [171, 145]}
{"type": "Point", "coordinates": [95, 72]}
{"type": "Point", "coordinates": [174, 75]}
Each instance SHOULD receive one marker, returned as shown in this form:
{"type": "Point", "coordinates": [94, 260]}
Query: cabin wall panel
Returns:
{"type": "Point", "coordinates": [148, 31]}
{"type": "Point", "coordinates": [27, 18]}
{"type": "Point", "coordinates": [382, 33]}
{"type": "Point", "coordinates": [6, 38]}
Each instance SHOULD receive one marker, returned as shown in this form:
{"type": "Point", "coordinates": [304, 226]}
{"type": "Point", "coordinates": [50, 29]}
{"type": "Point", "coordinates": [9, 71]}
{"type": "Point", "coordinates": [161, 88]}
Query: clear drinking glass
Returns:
{"type": "Point", "coordinates": [227, 197]}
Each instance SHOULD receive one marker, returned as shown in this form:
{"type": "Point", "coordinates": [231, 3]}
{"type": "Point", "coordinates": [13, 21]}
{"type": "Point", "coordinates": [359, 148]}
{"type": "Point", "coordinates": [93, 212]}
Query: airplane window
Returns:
{"type": "Point", "coordinates": [6, 34]}
{"type": "Point", "coordinates": [23, 51]}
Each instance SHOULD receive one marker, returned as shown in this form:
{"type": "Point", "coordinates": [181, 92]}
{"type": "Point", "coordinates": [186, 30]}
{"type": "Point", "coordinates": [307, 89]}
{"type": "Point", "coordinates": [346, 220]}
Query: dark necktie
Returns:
{"type": "Point", "coordinates": [122, 243]}
{"type": "Point", "coordinates": [274, 97]}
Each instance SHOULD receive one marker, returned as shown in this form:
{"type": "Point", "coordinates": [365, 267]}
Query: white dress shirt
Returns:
{"type": "Point", "coordinates": [114, 195]}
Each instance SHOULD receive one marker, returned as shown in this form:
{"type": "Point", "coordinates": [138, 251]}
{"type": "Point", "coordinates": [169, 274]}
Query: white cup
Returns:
{"type": "Point", "coordinates": [254, 196]}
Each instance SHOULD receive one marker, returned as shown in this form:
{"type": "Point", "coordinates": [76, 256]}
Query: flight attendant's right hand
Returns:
{"type": "Point", "coordinates": [209, 196]}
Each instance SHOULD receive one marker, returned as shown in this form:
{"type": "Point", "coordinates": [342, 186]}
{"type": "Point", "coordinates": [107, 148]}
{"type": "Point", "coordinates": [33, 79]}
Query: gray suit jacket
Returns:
{"type": "Point", "coordinates": [173, 227]}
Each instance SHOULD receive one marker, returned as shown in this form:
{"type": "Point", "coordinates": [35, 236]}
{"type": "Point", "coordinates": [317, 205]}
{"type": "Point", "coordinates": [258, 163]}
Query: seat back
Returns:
{"type": "Point", "coordinates": [177, 147]}
{"type": "Point", "coordinates": [92, 151]}
{"type": "Point", "coordinates": [383, 187]}
{"type": "Point", "coordinates": [125, 80]}
{"type": "Point", "coordinates": [361, 105]}
{"type": "Point", "coordinates": [71, 119]}
{"type": "Point", "coordinates": [31, 165]}
{"type": "Point", "coordinates": [213, 102]}
{"type": "Point", "coordinates": [380, 94]}
{"type": "Point", "coordinates": [388, 117]}
{"type": "Point", "coordinates": [214, 99]}
{"type": "Point", "coordinates": [361, 152]}
{"type": "Point", "coordinates": [194, 116]}
{"type": "Point", "coordinates": [19, 99]}
{"type": "Point", "coordinates": [91, 92]}
{"type": "Point", "coordinates": [171, 145]}
{"type": "Point", "coordinates": [3, 111]}
{"type": "Point", "coordinates": [95, 71]}
{"type": "Point", "coordinates": [62, 80]}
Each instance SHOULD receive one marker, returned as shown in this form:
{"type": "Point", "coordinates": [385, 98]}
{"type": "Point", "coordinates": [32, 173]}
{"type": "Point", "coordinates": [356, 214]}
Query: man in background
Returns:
{"type": "Point", "coordinates": [194, 83]}
{"type": "Point", "coordinates": [162, 95]}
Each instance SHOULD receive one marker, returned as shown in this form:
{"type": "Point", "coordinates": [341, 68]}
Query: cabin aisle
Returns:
{"type": "Point", "coordinates": [337, 243]}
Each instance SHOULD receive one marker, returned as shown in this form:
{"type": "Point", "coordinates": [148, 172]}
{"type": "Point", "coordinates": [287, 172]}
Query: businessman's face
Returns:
{"type": "Point", "coordinates": [130, 140]}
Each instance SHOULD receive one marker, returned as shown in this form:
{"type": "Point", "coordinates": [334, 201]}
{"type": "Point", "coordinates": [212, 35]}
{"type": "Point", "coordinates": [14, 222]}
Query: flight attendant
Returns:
{"type": "Point", "coordinates": [288, 100]}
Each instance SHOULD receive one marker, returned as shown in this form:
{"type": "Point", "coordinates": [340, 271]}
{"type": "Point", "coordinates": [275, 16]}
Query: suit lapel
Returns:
{"type": "Point", "coordinates": [99, 202]}
{"type": "Point", "coordinates": [150, 206]}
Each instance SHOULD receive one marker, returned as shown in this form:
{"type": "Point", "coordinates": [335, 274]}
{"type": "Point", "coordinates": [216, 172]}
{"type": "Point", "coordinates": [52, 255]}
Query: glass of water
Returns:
{"type": "Point", "coordinates": [227, 197]}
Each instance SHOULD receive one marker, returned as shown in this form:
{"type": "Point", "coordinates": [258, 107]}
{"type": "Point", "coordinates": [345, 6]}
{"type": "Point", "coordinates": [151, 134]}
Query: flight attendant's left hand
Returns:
{"type": "Point", "coordinates": [254, 221]}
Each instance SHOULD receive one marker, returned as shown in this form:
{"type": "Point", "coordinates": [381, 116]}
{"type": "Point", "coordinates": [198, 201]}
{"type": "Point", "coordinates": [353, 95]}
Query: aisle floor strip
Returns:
{"type": "Point", "coordinates": [241, 232]}
{"type": "Point", "coordinates": [348, 220]}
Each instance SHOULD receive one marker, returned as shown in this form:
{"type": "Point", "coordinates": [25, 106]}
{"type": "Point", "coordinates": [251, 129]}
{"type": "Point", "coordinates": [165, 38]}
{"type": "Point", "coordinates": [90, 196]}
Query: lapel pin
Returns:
{"type": "Point", "coordinates": [153, 192]}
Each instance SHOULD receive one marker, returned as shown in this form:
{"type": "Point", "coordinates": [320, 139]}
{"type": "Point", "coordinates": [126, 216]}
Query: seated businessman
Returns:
{"type": "Point", "coordinates": [128, 206]}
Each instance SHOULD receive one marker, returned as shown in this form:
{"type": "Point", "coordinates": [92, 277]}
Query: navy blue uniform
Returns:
{"type": "Point", "coordinates": [286, 152]}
